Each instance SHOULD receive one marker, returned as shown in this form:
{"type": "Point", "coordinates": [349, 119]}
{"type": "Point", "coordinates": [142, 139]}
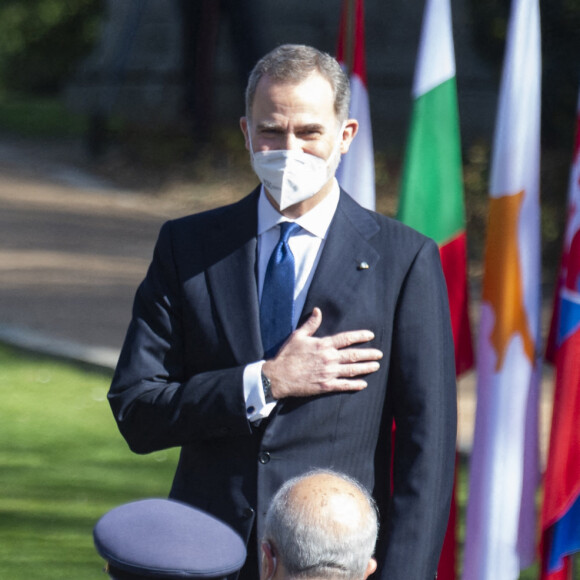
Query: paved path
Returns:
{"type": "Point", "coordinates": [73, 248]}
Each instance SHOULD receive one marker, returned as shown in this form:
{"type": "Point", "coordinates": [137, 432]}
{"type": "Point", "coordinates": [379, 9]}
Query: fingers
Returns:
{"type": "Point", "coordinates": [359, 369]}
{"type": "Point", "coordinates": [312, 324]}
{"type": "Point", "coordinates": [338, 341]}
{"type": "Point", "coordinates": [348, 380]}
{"type": "Point", "coordinates": [355, 355]}
{"type": "Point", "coordinates": [338, 385]}
{"type": "Point", "coordinates": [306, 365]}
{"type": "Point", "coordinates": [350, 337]}
{"type": "Point", "coordinates": [350, 373]}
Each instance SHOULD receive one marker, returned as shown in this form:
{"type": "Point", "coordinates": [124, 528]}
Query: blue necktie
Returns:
{"type": "Point", "coordinates": [277, 304]}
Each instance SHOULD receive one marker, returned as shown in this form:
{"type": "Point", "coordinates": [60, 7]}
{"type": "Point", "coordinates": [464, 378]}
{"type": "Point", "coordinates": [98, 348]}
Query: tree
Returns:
{"type": "Point", "coordinates": [42, 40]}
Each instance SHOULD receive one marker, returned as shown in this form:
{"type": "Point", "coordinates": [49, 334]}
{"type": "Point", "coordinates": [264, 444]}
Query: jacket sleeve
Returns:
{"type": "Point", "coordinates": [423, 391]}
{"type": "Point", "coordinates": [159, 396]}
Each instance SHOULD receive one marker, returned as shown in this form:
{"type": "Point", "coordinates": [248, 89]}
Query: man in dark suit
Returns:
{"type": "Point", "coordinates": [256, 391]}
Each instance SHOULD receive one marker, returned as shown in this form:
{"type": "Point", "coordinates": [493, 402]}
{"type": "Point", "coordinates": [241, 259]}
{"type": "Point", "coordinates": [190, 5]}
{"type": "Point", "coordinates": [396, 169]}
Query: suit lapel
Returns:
{"type": "Point", "coordinates": [346, 258]}
{"type": "Point", "coordinates": [230, 251]}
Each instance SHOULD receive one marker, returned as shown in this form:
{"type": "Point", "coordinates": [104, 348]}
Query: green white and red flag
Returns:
{"type": "Point", "coordinates": [431, 199]}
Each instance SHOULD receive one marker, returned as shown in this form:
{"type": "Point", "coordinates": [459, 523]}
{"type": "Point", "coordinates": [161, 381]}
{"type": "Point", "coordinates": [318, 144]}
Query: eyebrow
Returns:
{"type": "Point", "coordinates": [312, 127]}
{"type": "Point", "coordinates": [269, 125]}
{"type": "Point", "coordinates": [307, 127]}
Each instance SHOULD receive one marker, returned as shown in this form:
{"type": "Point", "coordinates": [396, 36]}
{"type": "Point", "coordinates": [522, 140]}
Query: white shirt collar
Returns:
{"type": "Point", "coordinates": [316, 221]}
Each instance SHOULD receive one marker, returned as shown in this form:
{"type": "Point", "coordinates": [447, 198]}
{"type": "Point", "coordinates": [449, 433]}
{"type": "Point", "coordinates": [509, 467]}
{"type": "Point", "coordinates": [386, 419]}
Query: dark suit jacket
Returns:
{"type": "Point", "coordinates": [195, 326]}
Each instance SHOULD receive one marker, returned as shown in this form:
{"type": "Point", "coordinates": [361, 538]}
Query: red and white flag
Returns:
{"type": "Point", "coordinates": [560, 523]}
{"type": "Point", "coordinates": [356, 172]}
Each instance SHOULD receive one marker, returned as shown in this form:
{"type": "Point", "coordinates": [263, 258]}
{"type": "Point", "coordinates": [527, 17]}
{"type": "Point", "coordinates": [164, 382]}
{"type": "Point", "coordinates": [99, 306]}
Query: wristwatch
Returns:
{"type": "Point", "coordinates": [267, 388]}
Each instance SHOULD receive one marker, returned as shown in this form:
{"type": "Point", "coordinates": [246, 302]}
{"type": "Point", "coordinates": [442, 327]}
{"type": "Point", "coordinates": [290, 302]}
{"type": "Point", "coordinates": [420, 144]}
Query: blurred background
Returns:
{"type": "Point", "coordinates": [161, 83]}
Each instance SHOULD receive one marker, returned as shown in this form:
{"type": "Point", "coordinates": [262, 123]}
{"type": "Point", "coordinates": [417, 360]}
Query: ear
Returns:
{"type": "Point", "coordinates": [244, 127]}
{"type": "Point", "coordinates": [268, 568]}
{"type": "Point", "coordinates": [371, 567]}
{"type": "Point", "coordinates": [349, 131]}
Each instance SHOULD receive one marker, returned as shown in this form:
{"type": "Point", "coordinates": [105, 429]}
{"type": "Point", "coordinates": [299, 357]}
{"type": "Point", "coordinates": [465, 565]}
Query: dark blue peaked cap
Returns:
{"type": "Point", "coordinates": [161, 538]}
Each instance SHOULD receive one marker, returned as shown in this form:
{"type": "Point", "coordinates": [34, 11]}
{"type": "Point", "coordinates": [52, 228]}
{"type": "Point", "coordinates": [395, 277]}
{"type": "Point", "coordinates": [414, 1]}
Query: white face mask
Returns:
{"type": "Point", "coordinates": [293, 176]}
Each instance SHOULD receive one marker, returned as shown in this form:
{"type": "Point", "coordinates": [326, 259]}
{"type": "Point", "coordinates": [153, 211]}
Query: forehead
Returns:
{"type": "Point", "coordinates": [309, 100]}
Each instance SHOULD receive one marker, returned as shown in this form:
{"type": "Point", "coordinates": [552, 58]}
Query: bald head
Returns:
{"type": "Point", "coordinates": [322, 525]}
{"type": "Point", "coordinates": [330, 501]}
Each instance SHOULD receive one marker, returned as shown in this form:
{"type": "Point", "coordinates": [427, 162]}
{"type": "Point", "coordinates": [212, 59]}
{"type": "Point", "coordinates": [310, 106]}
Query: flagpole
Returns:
{"type": "Point", "coordinates": [349, 36]}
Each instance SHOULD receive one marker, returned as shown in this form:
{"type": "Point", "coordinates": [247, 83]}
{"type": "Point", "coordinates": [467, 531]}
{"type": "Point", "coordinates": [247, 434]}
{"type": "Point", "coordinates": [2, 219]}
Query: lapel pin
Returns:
{"type": "Point", "coordinates": [363, 266]}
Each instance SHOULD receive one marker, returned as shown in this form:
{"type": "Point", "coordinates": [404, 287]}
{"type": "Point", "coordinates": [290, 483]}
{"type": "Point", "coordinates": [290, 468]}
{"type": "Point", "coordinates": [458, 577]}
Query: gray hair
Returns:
{"type": "Point", "coordinates": [293, 63]}
{"type": "Point", "coordinates": [312, 543]}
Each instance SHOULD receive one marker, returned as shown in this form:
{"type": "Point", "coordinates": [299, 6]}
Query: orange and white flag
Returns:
{"type": "Point", "coordinates": [504, 472]}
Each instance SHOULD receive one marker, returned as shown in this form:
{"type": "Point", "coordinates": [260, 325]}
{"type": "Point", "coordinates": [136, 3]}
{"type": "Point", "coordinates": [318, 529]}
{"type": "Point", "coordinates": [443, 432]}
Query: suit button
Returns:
{"type": "Point", "coordinates": [247, 513]}
{"type": "Point", "coordinates": [264, 457]}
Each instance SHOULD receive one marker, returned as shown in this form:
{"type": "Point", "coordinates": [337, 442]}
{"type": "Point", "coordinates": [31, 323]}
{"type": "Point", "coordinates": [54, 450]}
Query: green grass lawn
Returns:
{"type": "Point", "coordinates": [63, 464]}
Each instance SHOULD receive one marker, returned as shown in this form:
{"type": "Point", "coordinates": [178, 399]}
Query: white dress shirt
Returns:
{"type": "Point", "coordinates": [306, 246]}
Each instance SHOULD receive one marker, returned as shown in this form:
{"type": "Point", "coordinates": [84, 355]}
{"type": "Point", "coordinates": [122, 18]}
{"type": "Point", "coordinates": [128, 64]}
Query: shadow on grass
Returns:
{"type": "Point", "coordinates": [63, 464]}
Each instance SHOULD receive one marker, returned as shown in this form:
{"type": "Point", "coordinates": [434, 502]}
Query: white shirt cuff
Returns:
{"type": "Point", "coordinates": [256, 406]}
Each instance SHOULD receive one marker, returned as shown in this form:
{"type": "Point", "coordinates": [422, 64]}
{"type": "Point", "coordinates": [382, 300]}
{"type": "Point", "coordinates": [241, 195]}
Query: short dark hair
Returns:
{"type": "Point", "coordinates": [292, 63]}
